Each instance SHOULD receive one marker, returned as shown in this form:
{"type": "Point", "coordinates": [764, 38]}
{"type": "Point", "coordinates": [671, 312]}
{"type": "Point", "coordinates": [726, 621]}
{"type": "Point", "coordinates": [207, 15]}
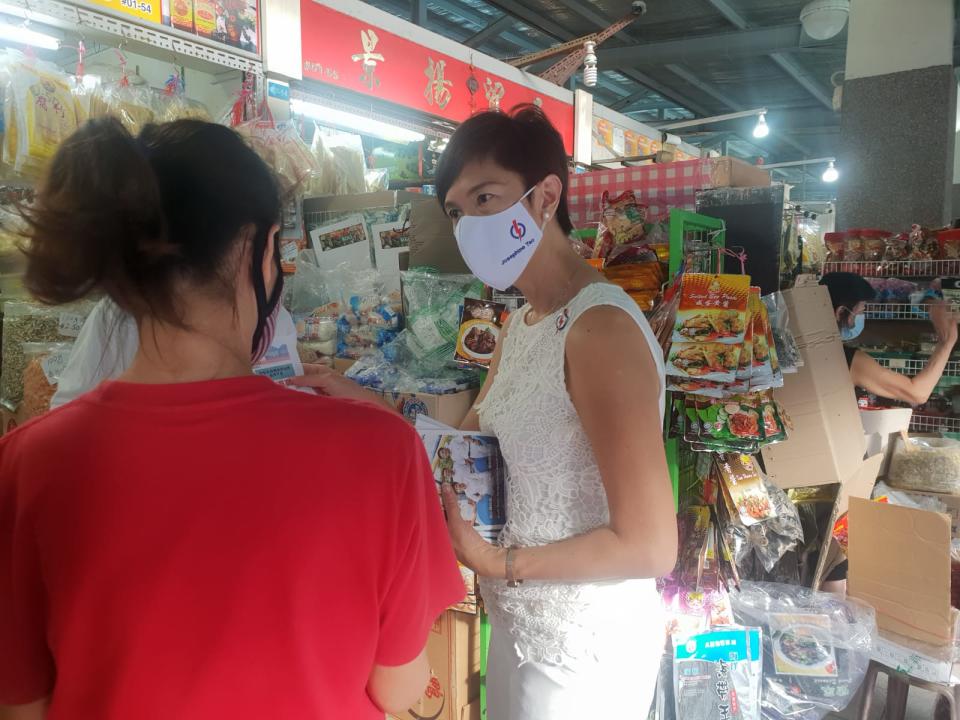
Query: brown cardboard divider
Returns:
{"type": "Point", "coordinates": [900, 564]}
{"type": "Point", "coordinates": [827, 443]}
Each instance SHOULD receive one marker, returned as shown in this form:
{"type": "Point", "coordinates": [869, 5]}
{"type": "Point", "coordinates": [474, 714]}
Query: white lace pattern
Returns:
{"type": "Point", "coordinates": [555, 491]}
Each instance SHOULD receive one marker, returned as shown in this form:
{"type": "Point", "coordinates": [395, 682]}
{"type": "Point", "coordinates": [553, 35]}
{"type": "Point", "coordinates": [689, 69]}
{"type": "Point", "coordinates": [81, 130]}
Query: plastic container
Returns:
{"type": "Point", "coordinates": [835, 242]}
{"type": "Point", "coordinates": [874, 243]}
{"type": "Point", "coordinates": [949, 241]}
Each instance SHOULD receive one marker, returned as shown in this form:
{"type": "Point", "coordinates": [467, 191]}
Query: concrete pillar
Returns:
{"type": "Point", "coordinates": [898, 120]}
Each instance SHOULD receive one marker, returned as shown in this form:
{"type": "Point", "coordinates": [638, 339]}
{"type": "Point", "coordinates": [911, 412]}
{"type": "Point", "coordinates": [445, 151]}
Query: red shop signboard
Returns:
{"type": "Point", "coordinates": [341, 50]}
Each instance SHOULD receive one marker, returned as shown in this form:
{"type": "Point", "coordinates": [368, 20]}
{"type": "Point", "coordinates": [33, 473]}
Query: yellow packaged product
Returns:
{"type": "Point", "coordinates": [46, 114]}
{"type": "Point", "coordinates": [132, 106]}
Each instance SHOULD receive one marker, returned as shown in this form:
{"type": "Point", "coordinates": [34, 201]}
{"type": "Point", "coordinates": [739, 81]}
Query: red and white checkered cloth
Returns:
{"type": "Point", "coordinates": [659, 186]}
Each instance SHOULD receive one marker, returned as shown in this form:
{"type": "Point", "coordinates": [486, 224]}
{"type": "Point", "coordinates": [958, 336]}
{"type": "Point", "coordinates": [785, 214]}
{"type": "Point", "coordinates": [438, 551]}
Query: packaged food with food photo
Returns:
{"type": "Point", "coordinates": [713, 309]}
{"type": "Point", "coordinates": [481, 323]}
{"type": "Point", "coordinates": [704, 360]}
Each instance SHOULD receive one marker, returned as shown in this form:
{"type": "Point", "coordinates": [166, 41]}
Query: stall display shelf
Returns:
{"type": "Point", "coordinates": [896, 268]}
{"type": "Point", "coordinates": [912, 366]}
{"type": "Point", "coordinates": [696, 239]}
{"type": "Point", "coordinates": [934, 424]}
{"type": "Point", "coordinates": [162, 37]}
{"type": "Point", "coordinates": [895, 311]}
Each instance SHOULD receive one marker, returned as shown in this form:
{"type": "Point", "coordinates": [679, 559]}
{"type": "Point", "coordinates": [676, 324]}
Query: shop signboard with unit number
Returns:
{"type": "Point", "coordinates": [369, 52]}
{"type": "Point", "coordinates": [146, 10]}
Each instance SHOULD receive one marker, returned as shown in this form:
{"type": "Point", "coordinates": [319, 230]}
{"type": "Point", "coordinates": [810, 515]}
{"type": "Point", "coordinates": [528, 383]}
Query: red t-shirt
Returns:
{"type": "Point", "coordinates": [227, 549]}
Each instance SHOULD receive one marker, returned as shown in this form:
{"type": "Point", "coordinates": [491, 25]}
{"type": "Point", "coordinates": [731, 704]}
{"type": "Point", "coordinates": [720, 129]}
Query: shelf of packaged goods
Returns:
{"type": "Point", "coordinates": [896, 268]}
{"type": "Point", "coordinates": [912, 366]}
{"type": "Point", "coordinates": [933, 423]}
{"type": "Point", "coordinates": [86, 20]}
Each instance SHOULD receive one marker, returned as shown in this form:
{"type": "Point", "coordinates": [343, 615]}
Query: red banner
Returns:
{"type": "Point", "coordinates": [341, 50]}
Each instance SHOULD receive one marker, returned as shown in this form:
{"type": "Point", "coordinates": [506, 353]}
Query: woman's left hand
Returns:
{"type": "Point", "coordinates": [472, 550]}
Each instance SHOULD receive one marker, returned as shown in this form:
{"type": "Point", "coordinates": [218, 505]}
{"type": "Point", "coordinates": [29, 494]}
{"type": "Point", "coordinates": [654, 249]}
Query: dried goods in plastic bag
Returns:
{"type": "Point", "coordinates": [717, 674]}
{"type": "Point", "coordinates": [340, 164]}
{"type": "Point", "coordinates": [29, 322]}
{"type": "Point", "coordinates": [816, 647]}
{"type": "Point", "coordinates": [926, 465]}
{"type": "Point", "coordinates": [133, 106]}
{"type": "Point", "coordinates": [45, 363]}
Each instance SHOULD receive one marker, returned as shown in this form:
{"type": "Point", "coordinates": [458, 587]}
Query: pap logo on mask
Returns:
{"type": "Point", "coordinates": [518, 230]}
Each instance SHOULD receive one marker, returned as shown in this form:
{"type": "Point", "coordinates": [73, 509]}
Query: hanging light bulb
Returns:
{"type": "Point", "coordinates": [762, 129]}
{"type": "Point", "coordinates": [590, 64]}
{"type": "Point", "coordinates": [830, 174]}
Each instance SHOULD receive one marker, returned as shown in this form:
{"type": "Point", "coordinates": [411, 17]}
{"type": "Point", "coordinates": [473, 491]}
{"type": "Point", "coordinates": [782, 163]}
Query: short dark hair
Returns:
{"type": "Point", "coordinates": [131, 216]}
{"type": "Point", "coordinates": [522, 141]}
{"type": "Point", "coordinates": [847, 289]}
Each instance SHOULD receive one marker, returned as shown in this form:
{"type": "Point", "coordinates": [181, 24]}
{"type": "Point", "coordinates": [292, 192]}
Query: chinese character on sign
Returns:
{"type": "Point", "coordinates": [494, 92]}
{"type": "Point", "coordinates": [369, 58]}
{"type": "Point", "coordinates": [438, 89]}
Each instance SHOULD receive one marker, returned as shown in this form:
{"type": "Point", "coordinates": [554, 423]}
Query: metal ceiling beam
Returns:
{"type": "Point", "coordinates": [720, 97]}
{"type": "Point", "coordinates": [418, 12]}
{"type": "Point", "coordinates": [491, 31]}
{"type": "Point", "coordinates": [790, 66]}
{"type": "Point", "coordinates": [532, 18]}
{"type": "Point", "coordinates": [786, 64]}
{"type": "Point", "coordinates": [717, 46]}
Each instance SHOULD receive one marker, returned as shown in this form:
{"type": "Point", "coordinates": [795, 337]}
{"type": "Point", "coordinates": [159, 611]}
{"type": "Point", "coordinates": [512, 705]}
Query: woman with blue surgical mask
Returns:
{"type": "Point", "coordinates": [849, 294]}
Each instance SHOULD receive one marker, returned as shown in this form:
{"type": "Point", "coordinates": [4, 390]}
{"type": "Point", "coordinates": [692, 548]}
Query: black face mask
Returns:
{"type": "Point", "coordinates": [267, 308]}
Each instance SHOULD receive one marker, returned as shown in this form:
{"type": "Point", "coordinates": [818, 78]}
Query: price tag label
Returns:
{"type": "Point", "coordinates": [898, 364]}
{"type": "Point", "coordinates": [70, 324]}
{"type": "Point", "coordinates": [54, 364]}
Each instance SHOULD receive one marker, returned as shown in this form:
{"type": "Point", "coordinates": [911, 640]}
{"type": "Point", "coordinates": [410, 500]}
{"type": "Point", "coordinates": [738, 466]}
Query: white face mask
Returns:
{"type": "Point", "coordinates": [498, 247]}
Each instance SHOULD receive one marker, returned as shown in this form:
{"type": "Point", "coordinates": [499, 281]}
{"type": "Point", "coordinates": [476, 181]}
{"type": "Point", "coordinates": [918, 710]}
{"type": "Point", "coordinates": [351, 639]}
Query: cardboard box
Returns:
{"type": "Point", "coordinates": [952, 503]}
{"type": "Point", "coordinates": [900, 564]}
{"type": "Point", "coordinates": [660, 186]}
{"type": "Point", "coordinates": [449, 409]}
{"type": "Point", "coordinates": [827, 443]}
{"type": "Point", "coordinates": [431, 239]}
{"type": "Point", "coordinates": [341, 365]}
{"type": "Point", "coordinates": [880, 425]}
{"type": "Point", "coordinates": [453, 650]}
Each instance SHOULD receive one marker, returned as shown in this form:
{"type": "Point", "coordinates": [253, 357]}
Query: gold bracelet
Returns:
{"type": "Point", "coordinates": [512, 580]}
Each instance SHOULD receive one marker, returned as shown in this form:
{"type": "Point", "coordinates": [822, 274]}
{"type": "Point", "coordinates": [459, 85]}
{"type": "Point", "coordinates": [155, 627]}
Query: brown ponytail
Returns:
{"type": "Point", "coordinates": [129, 216]}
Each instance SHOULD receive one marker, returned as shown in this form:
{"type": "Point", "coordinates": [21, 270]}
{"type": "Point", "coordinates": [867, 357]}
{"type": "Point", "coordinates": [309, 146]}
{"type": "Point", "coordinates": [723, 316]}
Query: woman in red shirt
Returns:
{"type": "Point", "coordinates": [193, 541]}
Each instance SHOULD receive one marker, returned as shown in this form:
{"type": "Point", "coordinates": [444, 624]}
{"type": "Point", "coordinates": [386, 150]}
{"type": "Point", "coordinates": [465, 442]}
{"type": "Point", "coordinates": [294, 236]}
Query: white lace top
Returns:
{"type": "Point", "coordinates": [555, 491]}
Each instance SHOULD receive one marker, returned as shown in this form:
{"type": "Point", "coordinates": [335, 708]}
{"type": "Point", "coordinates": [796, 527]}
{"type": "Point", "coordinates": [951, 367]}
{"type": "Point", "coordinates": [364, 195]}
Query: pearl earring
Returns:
{"type": "Point", "coordinates": [546, 217]}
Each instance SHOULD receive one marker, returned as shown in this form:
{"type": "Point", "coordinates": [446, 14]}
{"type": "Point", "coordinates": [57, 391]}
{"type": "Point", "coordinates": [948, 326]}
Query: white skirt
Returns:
{"type": "Point", "coordinates": [619, 686]}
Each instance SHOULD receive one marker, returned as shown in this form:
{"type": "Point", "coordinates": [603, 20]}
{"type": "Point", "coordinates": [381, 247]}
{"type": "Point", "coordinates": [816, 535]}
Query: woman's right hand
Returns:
{"type": "Point", "coordinates": [326, 381]}
{"type": "Point", "coordinates": [944, 319]}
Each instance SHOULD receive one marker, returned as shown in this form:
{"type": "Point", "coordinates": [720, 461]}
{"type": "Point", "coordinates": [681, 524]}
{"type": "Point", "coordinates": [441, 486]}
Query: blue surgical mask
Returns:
{"type": "Point", "coordinates": [848, 333]}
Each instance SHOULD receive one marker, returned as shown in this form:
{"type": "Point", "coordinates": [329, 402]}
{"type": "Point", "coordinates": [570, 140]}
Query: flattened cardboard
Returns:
{"type": "Point", "coordinates": [900, 564]}
{"type": "Point", "coordinates": [827, 444]}
{"type": "Point", "coordinates": [431, 239]}
{"type": "Point", "coordinates": [952, 503]}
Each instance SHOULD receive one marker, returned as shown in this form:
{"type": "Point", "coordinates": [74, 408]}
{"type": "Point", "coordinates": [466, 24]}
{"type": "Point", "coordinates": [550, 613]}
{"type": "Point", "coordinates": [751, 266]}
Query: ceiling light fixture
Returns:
{"type": "Point", "coordinates": [590, 64]}
{"type": "Point", "coordinates": [762, 129]}
{"type": "Point", "coordinates": [824, 19]}
{"type": "Point", "coordinates": [831, 174]}
{"type": "Point", "coordinates": [355, 123]}
{"type": "Point", "coordinates": [25, 36]}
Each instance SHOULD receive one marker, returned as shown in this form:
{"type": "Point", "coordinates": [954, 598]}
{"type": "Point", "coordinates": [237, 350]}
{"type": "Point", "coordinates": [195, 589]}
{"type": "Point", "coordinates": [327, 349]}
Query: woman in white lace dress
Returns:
{"type": "Point", "coordinates": [576, 396]}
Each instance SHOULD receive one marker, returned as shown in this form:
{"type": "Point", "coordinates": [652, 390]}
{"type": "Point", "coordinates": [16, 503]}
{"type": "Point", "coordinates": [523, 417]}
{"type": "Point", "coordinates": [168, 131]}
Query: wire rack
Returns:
{"type": "Point", "coordinates": [895, 311]}
{"type": "Point", "coordinates": [912, 366]}
{"type": "Point", "coordinates": [933, 423]}
{"type": "Point", "coordinates": [896, 268]}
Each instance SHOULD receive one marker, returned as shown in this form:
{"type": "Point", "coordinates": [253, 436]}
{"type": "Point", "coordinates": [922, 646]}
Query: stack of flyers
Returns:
{"type": "Point", "coordinates": [472, 464]}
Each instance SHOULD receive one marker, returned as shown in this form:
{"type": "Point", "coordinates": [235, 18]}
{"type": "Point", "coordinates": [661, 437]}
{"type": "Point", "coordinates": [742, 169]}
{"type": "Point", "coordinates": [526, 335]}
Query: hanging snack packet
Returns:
{"type": "Point", "coordinates": [718, 674]}
{"type": "Point", "coordinates": [481, 323]}
{"type": "Point", "coordinates": [704, 360]}
{"type": "Point", "coordinates": [713, 309]}
{"type": "Point", "coordinates": [745, 488]}
{"type": "Point", "coordinates": [733, 422]}
{"type": "Point", "coordinates": [762, 372]}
